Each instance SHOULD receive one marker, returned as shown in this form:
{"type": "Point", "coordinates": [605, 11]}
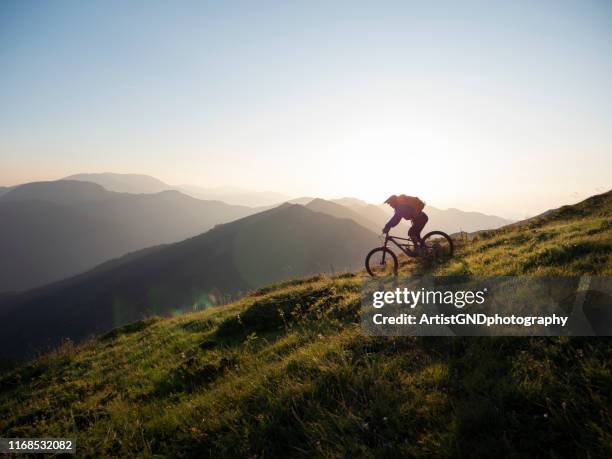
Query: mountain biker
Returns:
{"type": "Point", "coordinates": [410, 208]}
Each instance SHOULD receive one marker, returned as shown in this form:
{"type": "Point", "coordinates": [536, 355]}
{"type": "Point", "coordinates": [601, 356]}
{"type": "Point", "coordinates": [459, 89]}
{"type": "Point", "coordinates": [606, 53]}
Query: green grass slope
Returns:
{"type": "Point", "coordinates": [286, 372]}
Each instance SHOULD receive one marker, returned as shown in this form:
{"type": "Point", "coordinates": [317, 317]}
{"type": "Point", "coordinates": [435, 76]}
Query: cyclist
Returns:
{"type": "Point", "coordinates": [410, 208]}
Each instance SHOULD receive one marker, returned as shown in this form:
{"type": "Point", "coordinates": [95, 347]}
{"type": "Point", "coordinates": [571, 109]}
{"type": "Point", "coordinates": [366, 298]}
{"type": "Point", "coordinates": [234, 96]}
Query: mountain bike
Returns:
{"type": "Point", "coordinates": [382, 261]}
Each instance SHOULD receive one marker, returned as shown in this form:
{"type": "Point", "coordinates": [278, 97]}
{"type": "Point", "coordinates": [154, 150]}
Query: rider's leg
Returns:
{"type": "Point", "coordinates": [418, 223]}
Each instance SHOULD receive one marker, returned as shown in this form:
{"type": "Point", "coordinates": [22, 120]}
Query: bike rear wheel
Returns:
{"type": "Point", "coordinates": [439, 245]}
{"type": "Point", "coordinates": [381, 262]}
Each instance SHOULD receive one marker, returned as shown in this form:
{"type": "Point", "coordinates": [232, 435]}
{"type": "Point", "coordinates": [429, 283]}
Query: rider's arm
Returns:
{"type": "Point", "coordinates": [393, 222]}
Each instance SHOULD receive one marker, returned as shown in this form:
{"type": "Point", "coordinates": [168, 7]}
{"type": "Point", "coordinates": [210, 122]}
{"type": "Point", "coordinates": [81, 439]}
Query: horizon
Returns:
{"type": "Point", "coordinates": [289, 198]}
{"type": "Point", "coordinates": [490, 107]}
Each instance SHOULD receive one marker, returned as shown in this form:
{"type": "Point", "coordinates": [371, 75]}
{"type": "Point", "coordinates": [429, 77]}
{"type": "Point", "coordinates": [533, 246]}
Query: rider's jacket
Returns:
{"type": "Point", "coordinates": [401, 211]}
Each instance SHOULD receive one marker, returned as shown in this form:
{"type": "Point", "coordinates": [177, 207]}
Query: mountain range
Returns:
{"type": "Point", "coordinates": [449, 220]}
{"type": "Point", "coordinates": [139, 183]}
{"type": "Point", "coordinates": [123, 183]}
{"type": "Point", "coordinates": [52, 230]}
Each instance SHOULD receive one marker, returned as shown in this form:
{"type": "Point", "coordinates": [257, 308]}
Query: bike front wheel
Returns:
{"type": "Point", "coordinates": [381, 262]}
{"type": "Point", "coordinates": [439, 245]}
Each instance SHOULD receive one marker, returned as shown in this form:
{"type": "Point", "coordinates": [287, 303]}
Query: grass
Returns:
{"type": "Point", "coordinates": [286, 372]}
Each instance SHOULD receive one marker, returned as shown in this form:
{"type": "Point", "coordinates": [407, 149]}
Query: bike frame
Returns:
{"type": "Point", "coordinates": [407, 247]}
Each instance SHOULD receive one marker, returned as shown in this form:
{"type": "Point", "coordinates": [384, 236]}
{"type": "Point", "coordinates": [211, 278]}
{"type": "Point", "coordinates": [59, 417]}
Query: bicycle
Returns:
{"type": "Point", "coordinates": [382, 261]}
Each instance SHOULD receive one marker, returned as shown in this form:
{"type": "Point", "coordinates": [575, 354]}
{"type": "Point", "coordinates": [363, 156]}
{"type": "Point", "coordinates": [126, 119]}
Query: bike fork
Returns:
{"type": "Point", "coordinates": [382, 262]}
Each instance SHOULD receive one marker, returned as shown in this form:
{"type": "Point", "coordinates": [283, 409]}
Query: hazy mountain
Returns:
{"type": "Point", "coordinates": [285, 242]}
{"type": "Point", "coordinates": [169, 216]}
{"type": "Point", "coordinates": [235, 196]}
{"type": "Point", "coordinates": [51, 230]}
{"type": "Point", "coordinates": [302, 201]}
{"type": "Point", "coordinates": [351, 202]}
{"type": "Point", "coordinates": [138, 183]}
{"type": "Point", "coordinates": [4, 189]}
{"type": "Point", "coordinates": [379, 215]}
{"type": "Point", "coordinates": [43, 241]}
{"type": "Point", "coordinates": [454, 220]}
{"type": "Point", "coordinates": [124, 183]}
{"type": "Point", "coordinates": [58, 192]}
{"type": "Point", "coordinates": [339, 211]}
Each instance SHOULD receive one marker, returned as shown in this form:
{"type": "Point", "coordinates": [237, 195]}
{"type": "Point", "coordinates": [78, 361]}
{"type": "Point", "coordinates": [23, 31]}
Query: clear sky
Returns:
{"type": "Point", "coordinates": [503, 107]}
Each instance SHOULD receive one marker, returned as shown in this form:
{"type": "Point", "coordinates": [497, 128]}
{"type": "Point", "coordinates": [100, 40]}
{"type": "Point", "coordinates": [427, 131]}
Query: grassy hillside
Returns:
{"type": "Point", "coordinates": [286, 372]}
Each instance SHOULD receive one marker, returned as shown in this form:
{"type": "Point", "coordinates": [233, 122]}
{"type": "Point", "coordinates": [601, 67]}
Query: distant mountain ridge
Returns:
{"type": "Point", "coordinates": [236, 196]}
{"type": "Point", "coordinates": [123, 183]}
{"type": "Point", "coordinates": [378, 214]}
{"type": "Point", "coordinates": [340, 211]}
{"type": "Point", "coordinates": [51, 230]}
{"type": "Point", "coordinates": [140, 183]}
{"type": "Point", "coordinates": [448, 220]}
{"type": "Point", "coordinates": [374, 217]}
{"type": "Point", "coordinates": [58, 192]}
{"type": "Point", "coordinates": [454, 220]}
{"type": "Point", "coordinates": [47, 244]}
{"type": "Point", "coordinates": [284, 242]}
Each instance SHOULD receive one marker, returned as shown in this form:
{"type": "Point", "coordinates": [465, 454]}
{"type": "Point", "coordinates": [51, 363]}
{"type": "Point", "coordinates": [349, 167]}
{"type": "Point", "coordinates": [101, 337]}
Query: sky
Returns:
{"type": "Point", "coordinates": [500, 107]}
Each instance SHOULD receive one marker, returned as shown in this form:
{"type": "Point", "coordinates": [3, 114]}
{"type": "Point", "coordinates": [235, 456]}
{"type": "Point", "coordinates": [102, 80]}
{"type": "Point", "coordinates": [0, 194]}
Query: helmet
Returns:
{"type": "Point", "coordinates": [391, 200]}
